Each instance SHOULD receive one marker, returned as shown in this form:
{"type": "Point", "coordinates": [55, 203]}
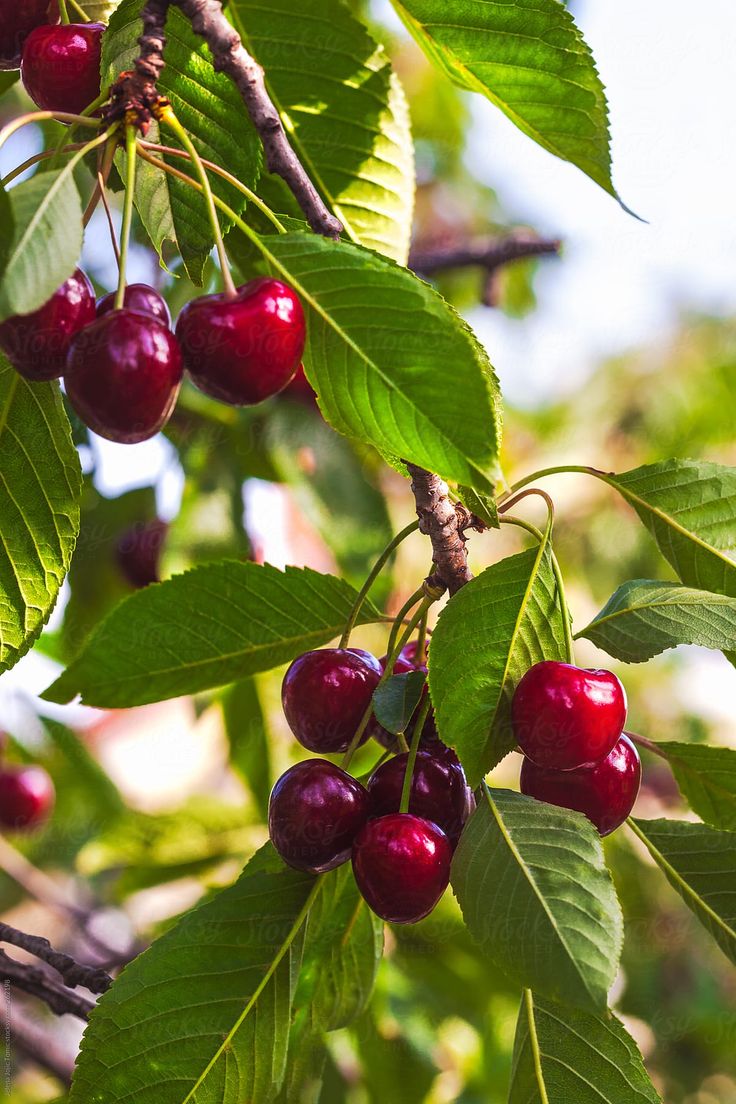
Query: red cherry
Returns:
{"type": "Point", "coordinates": [246, 349]}
{"type": "Point", "coordinates": [402, 866]}
{"type": "Point", "coordinates": [60, 66]}
{"type": "Point", "coordinates": [17, 19]}
{"type": "Point", "coordinates": [325, 694]}
{"type": "Point", "coordinates": [315, 812]}
{"type": "Point", "coordinates": [604, 791]}
{"type": "Point", "coordinates": [123, 374]}
{"type": "Point", "coordinates": [300, 389]}
{"type": "Point", "coordinates": [138, 552]}
{"type": "Point", "coordinates": [26, 797]}
{"type": "Point", "coordinates": [439, 791]}
{"type": "Point", "coordinates": [138, 297]}
{"type": "Point", "coordinates": [36, 344]}
{"type": "Point", "coordinates": [564, 716]}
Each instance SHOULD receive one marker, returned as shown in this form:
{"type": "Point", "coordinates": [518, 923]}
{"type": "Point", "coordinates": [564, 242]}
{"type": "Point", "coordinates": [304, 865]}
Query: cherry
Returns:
{"type": "Point", "coordinates": [138, 297]}
{"type": "Point", "coordinates": [300, 389]}
{"type": "Point", "coordinates": [246, 349]}
{"type": "Point", "coordinates": [123, 374]}
{"type": "Point", "coordinates": [60, 66]}
{"type": "Point", "coordinates": [17, 19]}
{"type": "Point", "coordinates": [315, 812]}
{"type": "Point", "coordinates": [564, 716]}
{"type": "Point", "coordinates": [36, 344]}
{"type": "Point", "coordinates": [138, 552]}
{"type": "Point", "coordinates": [604, 791]}
{"type": "Point", "coordinates": [401, 863]}
{"type": "Point", "coordinates": [439, 791]}
{"type": "Point", "coordinates": [26, 797]}
{"type": "Point", "coordinates": [325, 694]}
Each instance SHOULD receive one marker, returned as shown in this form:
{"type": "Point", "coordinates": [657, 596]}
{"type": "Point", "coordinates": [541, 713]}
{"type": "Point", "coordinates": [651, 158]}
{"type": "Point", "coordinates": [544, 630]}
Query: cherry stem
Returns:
{"type": "Point", "coordinates": [63, 12]}
{"type": "Point", "coordinates": [421, 652]}
{"type": "Point", "coordinates": [31, 161]}
{"type": "Point", "coordinates": [105, 165]}
{"type": "Point", "coordinates": [80, 11]}
{"type": "Point", "coordinates": [130, 167]}
{"type": "Point", "coordinates": [42, 117]}
{"type": "Point", "coordinates": [168, 117]}
{"type": "Point", "coordinates": [413, 749]}
{"type": "Point", "coordinates": [579, 469]}
{"type": "Point", "coordinates": [375, 572]}
{"type": "Point", "coordinates": [399, 619]}
{"type": "Point", "coordinates": [102, 185]}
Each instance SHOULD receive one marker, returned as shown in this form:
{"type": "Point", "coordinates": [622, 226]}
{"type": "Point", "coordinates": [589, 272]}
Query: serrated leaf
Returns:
{"type": "Point", "coordinates": [205, 628]}
{"type": "Point", "coordinates": [41, 242]}
{"type": "Point", "coordinates": [380, 342]}
{"type": "Point", "coordinates": [536, 895]}
{"type": "Point", "coordinates": [644, 617]}
{"type": "Point", "coordinates": [706, 776]}
{"type": "Point", "coordinates": [203, 1015]}
{"type": "Point", "coordinates": [396, 699]}
{"type": "Point", "coordinates": [487, 637]}
{"type": "Point", "coordinates": [39, 508]}
{"type": "Point", "coordinates": [529, 59]}
{"type": "Point", "coordinates": [209, 105]}
{"type": "Point", "coordinates": [483, 506]}
{"type": "Point", "coordinates": [245, 728]}
{"type": "Point", "coordinates": [699, 862]}
{"type": "Point", "coordinates": [344, 110]}
{"type": "Point", "coordinates": [562, 1054]}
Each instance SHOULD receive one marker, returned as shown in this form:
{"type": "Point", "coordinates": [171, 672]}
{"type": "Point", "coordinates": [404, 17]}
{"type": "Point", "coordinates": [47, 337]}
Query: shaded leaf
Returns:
{"type": "Point", "coordinates": [706, 776]}
{"type": "Point", "coordinates": [396, 699]}
{"type": "Point", "coordinates": [245, 727]}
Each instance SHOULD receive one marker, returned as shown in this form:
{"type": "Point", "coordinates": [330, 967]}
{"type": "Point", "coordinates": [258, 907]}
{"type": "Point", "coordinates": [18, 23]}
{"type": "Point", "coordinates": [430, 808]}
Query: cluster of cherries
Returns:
{"type": "Point", "coordinates": [568, 722]}
{"type": "Point", "coordinates": [320, 816]}
{"type": "Point", "coordinates": [26, 796]}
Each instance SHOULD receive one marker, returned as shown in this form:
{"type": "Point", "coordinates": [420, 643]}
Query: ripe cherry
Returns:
{"type": "Point", "coordinates": [564, 716]}
{"type": "Point", "coordinates": [60, 66]}
{"type": "Point", "coordinates": [315, 812]}
{"type": "Point", "coordinates": [138, 297]}
{"type": "Point", "coordinates": [17, 19]}
{"type": "Point", "coordinates": [439, 791]}
{"type": "Point", "coordinates": [246, 349]}
{"type": "Point", "coordinates": [26, 797]}
{"type": "Point", "coordinates": [36, 344]}
{"type": "Point", "coordinates": [300, 389]}
{"type": "Point", "coordinates": [402, 866]}
{"type": "Point", "coordinates": [123, 374]}
{"type": "Point", "coordinates": [604, 791]}
{"type": "Point", "coordinates": [325, 694]}
{"type": "Point", "coordinates": [138, 552]}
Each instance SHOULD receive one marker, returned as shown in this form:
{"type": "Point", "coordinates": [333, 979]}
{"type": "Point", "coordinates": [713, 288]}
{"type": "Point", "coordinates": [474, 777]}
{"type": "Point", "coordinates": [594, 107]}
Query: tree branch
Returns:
{"type": "Point", "coordinates": [71, 972]}
{"type": "Point", "coordinates": [39, 983]}
{"type": "Point", "coordinates": [444, 524]}
{"type": "Point", "coordinates": [36, 1042]}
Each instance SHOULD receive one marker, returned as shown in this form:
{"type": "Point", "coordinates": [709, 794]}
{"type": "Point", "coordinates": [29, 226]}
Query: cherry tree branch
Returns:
{"type": "Point", "coordinates": [444, 524]}
{"type": "Point", "coordinates": [71, 972]}
{"type": "Point", "coordinates": [39, 983]}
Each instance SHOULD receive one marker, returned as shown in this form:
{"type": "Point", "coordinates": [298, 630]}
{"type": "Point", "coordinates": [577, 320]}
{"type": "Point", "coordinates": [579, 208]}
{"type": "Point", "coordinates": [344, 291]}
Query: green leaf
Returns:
{"type": "Point", "coordinates": [7, 227]}
{"type": "Point", "coordinates": [203, 1014]}
{"type": "Point", "coordinates": [562, 1054]}
{"type": "Point", "coordinates": [530, 60]}
{"type": "Point", "coordinates": [215, 624]}
{"type": "Point", "coordinates": [41, 242]}
{"type": "Point", "coordinates": [395, 701]}
{"type": "Point", "coordinates": [536, 895]}
{"type": "Point", "coordinates": [700, 863]}
{"type": "Point", "coordinates": [483, 506]}
{"type": "Point", "coordinates": [245, 727]}
{"type": "Point", "coordinates": [489, 634]}
{"type": "Point", "coordinates": [209, 105]}
{"type": "Point", "coordinates": [39, 508]}
{"type": "Point", "coordinates": [99, 11]}
{"type": "Point", "coordinates": [706, 776]}
{"type": "Point", "coordinates": [8, 79]}
{"type": "Point", "coordinates": [644, 617]}
{"type": "Point", "coordinates": [345, 113]}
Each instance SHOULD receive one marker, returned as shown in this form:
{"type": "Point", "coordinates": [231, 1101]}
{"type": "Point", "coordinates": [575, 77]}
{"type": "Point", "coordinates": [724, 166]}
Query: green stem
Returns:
{"type": "Point", "coordinates": [509, 519]}
{"type": "Point", "coordinates": [42, 117]}
{"type": "Point", "coordinates": [413, 749]}
{"type": "Point", "coordinates": [168, 117]}
{"type": "Point", "coordinates": [375, 572]}
{"type": "Point", "coordinates": [421, 652]}
{"type": "Point", "coordinates": [579, 469]}
{"type": "Point", "coordinates": [63, 12]}
{"type": "Point", "coordinates": [80, 11]}
{"type": "Point", "coordinates": [130, 167]}
{"type": "Point", "coordinates": [31, 161]}
{"type": "Point", "coordinates": [399, 619]}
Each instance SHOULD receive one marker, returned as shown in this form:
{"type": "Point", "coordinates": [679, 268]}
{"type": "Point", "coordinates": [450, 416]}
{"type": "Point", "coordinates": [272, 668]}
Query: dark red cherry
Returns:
{"type": "Point", "coordinates": [36, 344]}
{"type": "Point", "coordinates": [604, 791]}
{"type": "Point", "coordinates": [138, 297]}
{"type": "Point", "coordinates": [26, 797]}
{"type": "Point", "coordinates": [564, 716]}
{"type": "Point", "coordinates": [325, 694]}
{"type": "Point", "coordinates": [138, 552]}
{"type": "Point", "coordinates": [402, 866]}
{"type": "Point", "coordinates": [315, 812]}
{"type": "Point", "coordinates": [123, 374]}
{"type": "Point", "coordinates": [60, 66]}
{"type": "Point", "coordinates": [246, 349]}
{"type": "Point", "coordinates": [17, 19]}
{"type": "Point", "coordinates": [300, 389]}
{"type": "Point", "coordinates": [439, 791]}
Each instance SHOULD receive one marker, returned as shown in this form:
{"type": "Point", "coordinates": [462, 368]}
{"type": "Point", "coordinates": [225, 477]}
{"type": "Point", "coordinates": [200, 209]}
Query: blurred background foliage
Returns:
{"type": "Point", "coordinates": [160, 805]}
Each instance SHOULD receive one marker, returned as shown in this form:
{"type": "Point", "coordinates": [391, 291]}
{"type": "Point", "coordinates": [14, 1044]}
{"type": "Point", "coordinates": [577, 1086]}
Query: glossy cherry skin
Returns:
{"type": "Point", "coordinates": [26, 797]}
{"type": "Point", "coordinates": [122, 376]}
{"type": "Point", "coordinates": [17, 19]}
{"type": "Point", "coordinates": [36, 344]}
{"type": "Point", "coordinates": [246, 349]}
{"type": "Point", "coordinates": [138, 552]}
{"type": "Point", "coordinates": [564, 716]}
{"type": "Point", "coordinates": [439, 791]}
{"type": "Point", "coordinates": [138, 297]}
{"type": "Point", "coordinates": [604, 791]}
{"type": "Point", "coordinates": [314, 814]}
{"type": "Point", "coordinates": [60, 66]}
{"type": "Point", "coordinates": [325, 694]}
{"type": "Point", "coordinates": [401, 863]}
